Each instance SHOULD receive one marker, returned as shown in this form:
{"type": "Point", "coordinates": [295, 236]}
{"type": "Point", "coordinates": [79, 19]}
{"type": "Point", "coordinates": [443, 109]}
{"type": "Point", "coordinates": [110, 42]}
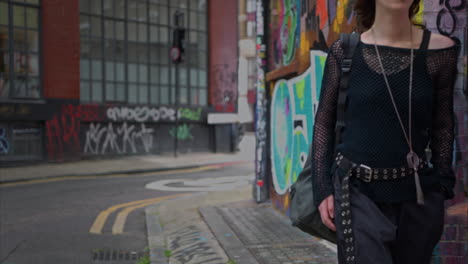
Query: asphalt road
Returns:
{"type": "Point", "coordinates": [50, 222]}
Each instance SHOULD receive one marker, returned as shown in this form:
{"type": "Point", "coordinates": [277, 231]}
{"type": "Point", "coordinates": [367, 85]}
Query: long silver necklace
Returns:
{"type": "Point", "coordinates": [411, 158]}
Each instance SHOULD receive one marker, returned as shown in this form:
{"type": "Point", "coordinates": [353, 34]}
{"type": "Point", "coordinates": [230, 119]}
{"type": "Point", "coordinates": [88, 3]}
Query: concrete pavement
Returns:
{"type": "Point", "coordinates": [228, 227]}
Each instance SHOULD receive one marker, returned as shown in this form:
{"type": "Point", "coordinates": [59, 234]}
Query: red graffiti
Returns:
{"type": "Point", "coordinates": [63, 131]}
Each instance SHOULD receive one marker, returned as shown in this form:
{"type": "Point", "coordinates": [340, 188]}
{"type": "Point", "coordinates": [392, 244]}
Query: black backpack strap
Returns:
{"type": "Point", "coordinates": [350, 42]}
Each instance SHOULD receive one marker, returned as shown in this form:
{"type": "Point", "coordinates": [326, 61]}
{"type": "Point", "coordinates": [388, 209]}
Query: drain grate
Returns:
{"type": "Point", "coordinates": [117, 256]}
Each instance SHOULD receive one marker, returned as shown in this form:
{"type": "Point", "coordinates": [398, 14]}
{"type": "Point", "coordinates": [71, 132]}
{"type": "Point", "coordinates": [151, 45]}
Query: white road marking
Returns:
{"type": "Point", "coordinates": [204, 184]}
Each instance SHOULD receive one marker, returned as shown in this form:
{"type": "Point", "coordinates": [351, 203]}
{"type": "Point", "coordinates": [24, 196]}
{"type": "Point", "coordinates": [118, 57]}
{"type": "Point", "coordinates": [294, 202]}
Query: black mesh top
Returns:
{"type": "Point", "coordinates": [372, 134]}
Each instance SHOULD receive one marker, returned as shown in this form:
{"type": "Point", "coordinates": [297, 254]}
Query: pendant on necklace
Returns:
{"type": "Point", "coordinates": [413, 160]}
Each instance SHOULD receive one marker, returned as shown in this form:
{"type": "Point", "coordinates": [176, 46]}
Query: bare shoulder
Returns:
{"type": "Point", "coordinates": [439, 41]}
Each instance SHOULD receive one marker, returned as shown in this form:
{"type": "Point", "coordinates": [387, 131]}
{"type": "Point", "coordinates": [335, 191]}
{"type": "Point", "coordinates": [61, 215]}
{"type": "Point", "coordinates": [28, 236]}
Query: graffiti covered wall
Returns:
{"type": "Point", "coordinates": [71, 131]}
{"type": "Point", "coordinates": [316, 24]}
{"type": "Point", "coordinates": [300, 32]}
{"type": "Point", "coordinates": [297, 26]}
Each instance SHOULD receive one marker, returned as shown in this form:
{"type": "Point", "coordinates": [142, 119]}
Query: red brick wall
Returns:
{"type": "Point", "coordinates": [223, 55]}
{"type": "Point", "coordinates": [61, 48]}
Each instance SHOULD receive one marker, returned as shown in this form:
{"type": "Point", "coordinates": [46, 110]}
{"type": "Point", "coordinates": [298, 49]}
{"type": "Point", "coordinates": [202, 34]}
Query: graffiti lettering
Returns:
{"type": "Point", "coordinates": [447, 18]}
{"type": "Point", "coordinates": [182, 132]}
{"type": "Point", "coordinates": [63, 129]}
{"type": "Point", "coordinates": [188, 247]}
{"type": "Point", "coordinates": [124, 138]}
{"type": "Point", "coordinates": [190, 114]}
{"type": "Point", "coordinates": [288, 31]}
{"type": "Point", "coordinates": [4, 144]}
{"type": "Point", "coordinates": [141, 114]}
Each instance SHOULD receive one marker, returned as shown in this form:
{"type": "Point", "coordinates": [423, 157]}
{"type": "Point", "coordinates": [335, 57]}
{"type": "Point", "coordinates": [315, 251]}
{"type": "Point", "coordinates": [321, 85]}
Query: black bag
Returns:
{"type": "Point", "coordinates": [303, 213]}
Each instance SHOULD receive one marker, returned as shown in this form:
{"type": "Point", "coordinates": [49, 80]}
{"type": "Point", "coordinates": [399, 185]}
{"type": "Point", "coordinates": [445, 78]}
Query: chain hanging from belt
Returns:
{"type": "Point", "coordinates": [412, 158]}
{"type": "Point", "coordinates": [413, 162]}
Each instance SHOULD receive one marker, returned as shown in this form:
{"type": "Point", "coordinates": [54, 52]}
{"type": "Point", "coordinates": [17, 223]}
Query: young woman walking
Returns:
{"type": "Point", "coordinates": [379, 192]}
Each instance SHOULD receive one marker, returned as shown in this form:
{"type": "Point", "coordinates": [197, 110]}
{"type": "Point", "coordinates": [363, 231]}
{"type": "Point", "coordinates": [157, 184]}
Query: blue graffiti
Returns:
{"type": "Point", "coordinates": [293, 108]}
{"type": "Point", "coordinates": [4, 144]}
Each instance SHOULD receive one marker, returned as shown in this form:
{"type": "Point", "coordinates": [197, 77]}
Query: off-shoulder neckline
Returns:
{"type": "Point", "coordinates": [454, 46]}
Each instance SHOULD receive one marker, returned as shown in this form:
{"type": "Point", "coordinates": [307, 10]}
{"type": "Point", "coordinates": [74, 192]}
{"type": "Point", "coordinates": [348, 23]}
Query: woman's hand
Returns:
{"type": "Point", "coordinates": [327, 212]}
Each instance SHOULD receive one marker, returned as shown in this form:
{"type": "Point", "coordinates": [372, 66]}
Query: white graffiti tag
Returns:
{"type": "Point", "coordinates": [118, 139]}
{"type": "Point", "coordinates": [141, 114]}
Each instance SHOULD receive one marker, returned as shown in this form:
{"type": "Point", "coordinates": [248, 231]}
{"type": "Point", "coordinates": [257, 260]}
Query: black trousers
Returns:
{"type": "Point", "coordinates": [402, 233]}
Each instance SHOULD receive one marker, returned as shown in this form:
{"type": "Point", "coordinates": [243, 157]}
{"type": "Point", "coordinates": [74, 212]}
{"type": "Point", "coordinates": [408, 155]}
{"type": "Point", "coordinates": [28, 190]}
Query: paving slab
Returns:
{"type": "Point", "coordinates": [268, 235]}
{"type": "Point", "coordinates": [225, 235]}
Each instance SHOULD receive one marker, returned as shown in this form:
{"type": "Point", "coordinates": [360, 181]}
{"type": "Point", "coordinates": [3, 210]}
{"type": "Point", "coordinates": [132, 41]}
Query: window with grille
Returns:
{"type": "Point", "coordinates": [20, 69]}
{"type": "Point", "coordinates": [125, 52]}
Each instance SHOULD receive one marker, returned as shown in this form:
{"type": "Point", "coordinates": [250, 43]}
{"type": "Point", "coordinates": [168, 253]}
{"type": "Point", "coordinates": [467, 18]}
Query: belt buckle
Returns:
{"type": "Point", "coordinates": [368, 175]}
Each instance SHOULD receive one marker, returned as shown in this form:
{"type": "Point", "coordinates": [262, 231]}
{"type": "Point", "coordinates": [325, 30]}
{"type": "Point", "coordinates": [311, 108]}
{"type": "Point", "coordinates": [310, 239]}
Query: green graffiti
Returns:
{"type": "Point", "coordinates": [182, 132]}
{"type": "Point", "coordinates": [289, 31]}
{"type": "Point", "coordinates": [190, 114]}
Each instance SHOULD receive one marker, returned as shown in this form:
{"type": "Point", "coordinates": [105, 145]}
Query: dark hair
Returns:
{"type": "Point", "coordinates": [365, 12]}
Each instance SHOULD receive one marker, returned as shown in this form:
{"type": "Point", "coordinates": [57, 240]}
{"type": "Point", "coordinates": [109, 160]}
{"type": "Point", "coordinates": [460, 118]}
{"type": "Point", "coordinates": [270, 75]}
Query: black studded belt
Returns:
{"type": "Point", "coordinates": [366, 174]}
{"type": "Point", "coordinates": [369, 174]}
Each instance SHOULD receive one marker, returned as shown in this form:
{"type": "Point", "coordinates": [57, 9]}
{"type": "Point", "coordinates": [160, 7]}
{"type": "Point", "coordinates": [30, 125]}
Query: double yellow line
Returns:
{"type": "Point", "coordinates": [121, 217]}
{"type": "Point", "coordinates": [111, 176]}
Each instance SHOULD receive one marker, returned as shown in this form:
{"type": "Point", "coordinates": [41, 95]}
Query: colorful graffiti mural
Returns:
{"type": "Point", "coordinates": [326, 19]}
{"type": "Point", "coordinates": [297, 26]}
{"type": "Point", "coordinates": [285, 27]}
{"type": "Point", "coordinates": [293, 107]}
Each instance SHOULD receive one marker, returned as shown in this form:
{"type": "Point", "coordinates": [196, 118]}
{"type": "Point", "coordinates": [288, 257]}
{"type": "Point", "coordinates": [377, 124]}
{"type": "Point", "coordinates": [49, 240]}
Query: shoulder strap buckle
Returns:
{"type": "Point", "coordinates": [346, 65]}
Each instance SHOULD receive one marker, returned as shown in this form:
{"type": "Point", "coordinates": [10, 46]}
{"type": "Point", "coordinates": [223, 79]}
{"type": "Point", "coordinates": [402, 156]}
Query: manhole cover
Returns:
{"type": "Point", "coordinates": [117, 256]}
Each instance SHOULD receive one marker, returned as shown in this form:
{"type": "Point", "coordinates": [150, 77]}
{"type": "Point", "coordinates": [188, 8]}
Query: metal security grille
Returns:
{"type": "Point", "coordinates": [117, 256]}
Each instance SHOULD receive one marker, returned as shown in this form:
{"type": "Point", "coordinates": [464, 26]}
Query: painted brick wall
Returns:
{"type": "Point", "coordinates": [61, 48]}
